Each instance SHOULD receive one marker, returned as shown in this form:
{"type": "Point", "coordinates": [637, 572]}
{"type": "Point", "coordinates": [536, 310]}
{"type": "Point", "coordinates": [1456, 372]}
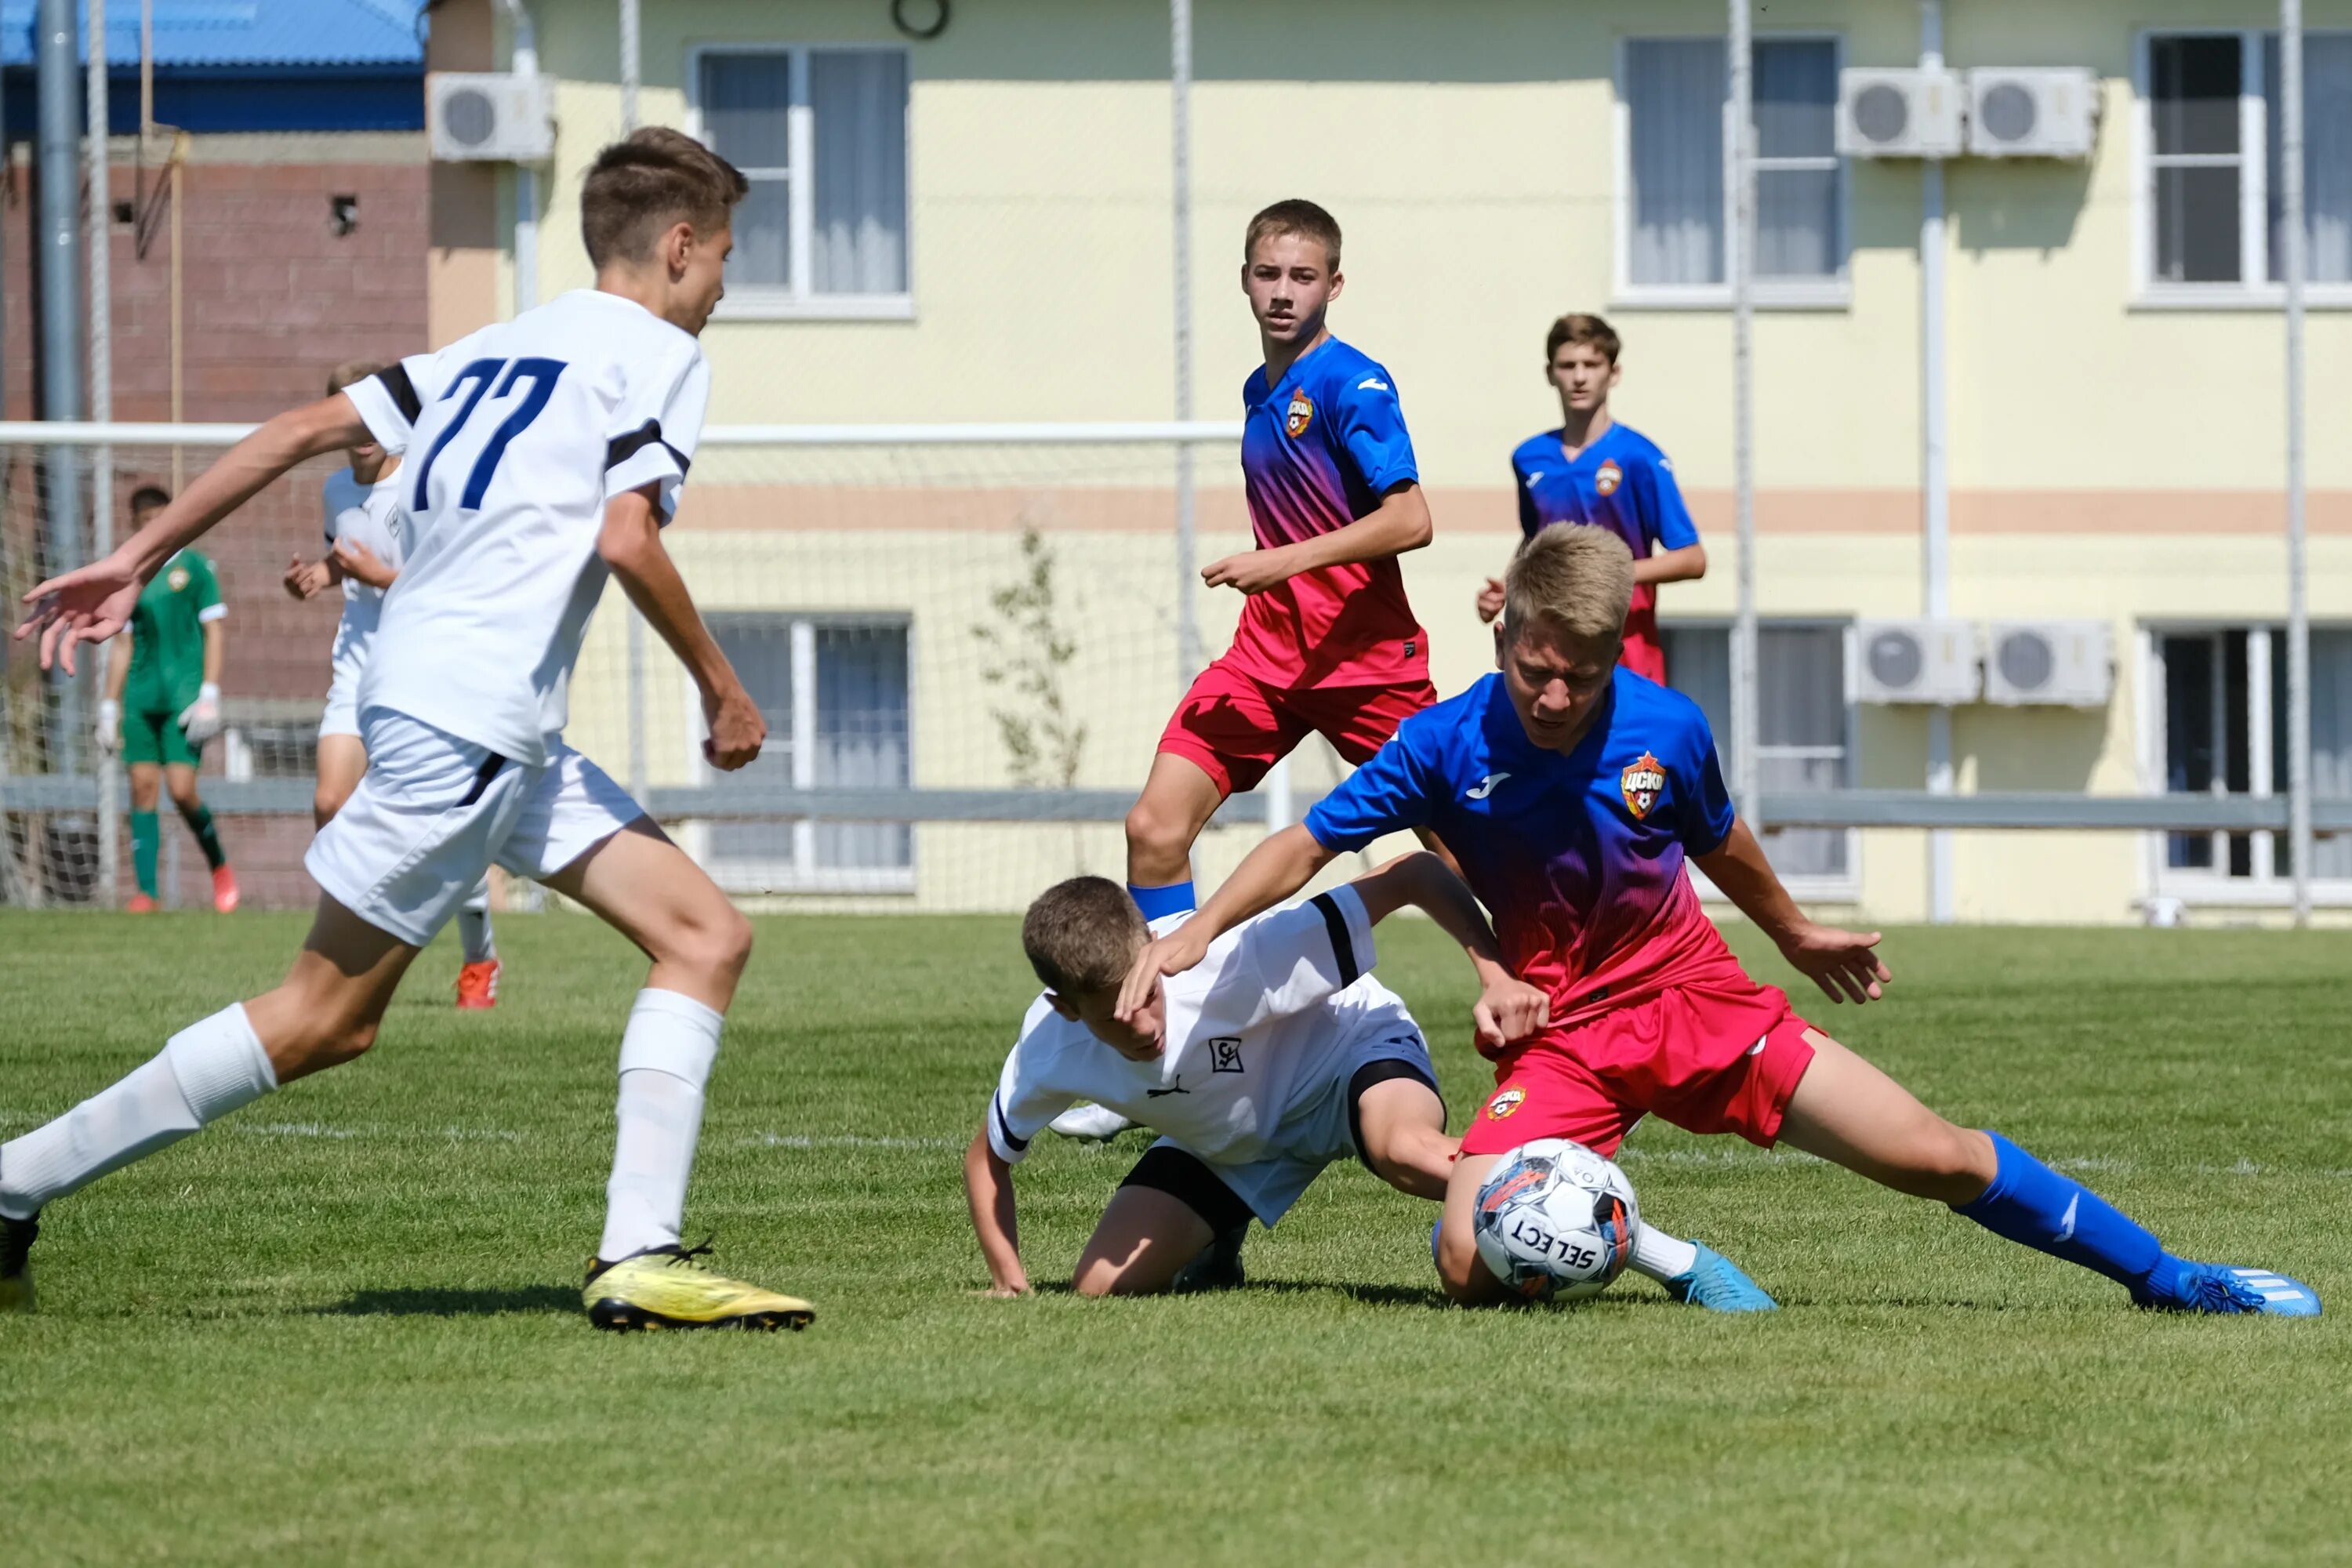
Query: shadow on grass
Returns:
{"type": "Point", "coordinates": [447, 1303]}
{"type": "Point", "coordinates": [1368, 1294]}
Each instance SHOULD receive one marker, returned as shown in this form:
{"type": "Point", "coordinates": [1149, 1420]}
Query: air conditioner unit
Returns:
{"type": "Point", "coordinates": [490, 116]}
{"type": "Point", "coordinates": [2065, 664]}
{"type": "Point", "coordinates": [1899, 114]}
{"type": "Point", "coordinates": [2032, 112]}
{"type": "Point", "coordinates": [1929, 662]}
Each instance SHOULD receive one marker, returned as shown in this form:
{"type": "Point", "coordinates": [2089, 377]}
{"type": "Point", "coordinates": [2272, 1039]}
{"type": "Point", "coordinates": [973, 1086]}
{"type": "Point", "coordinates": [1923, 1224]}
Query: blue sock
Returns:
{"type": "Point", "coordinates": [2031, 1204]}
{"type": "Point", "coordinates": [1158, 903]}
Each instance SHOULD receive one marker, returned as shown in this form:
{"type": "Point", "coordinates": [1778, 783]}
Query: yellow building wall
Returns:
{"type": "Point", "coordinates": [2108, 459]}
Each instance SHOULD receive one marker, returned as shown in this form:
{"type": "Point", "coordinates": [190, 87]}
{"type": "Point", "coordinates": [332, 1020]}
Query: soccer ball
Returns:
{"type": "Point", "coordinates": [1555, 1222]}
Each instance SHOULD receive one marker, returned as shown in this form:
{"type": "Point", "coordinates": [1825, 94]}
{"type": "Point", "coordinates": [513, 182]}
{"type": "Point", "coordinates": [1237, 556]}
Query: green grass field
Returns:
{"type": "Point", "coordinates": [344, 1325]}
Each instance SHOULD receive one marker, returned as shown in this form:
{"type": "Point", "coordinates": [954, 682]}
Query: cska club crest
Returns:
{"type": "Point", "coordinates": [1643, 781]}
{"type": "Point", "coordinates": [1301, 415]}
{"type": "Point", "coordinates": [1610, 476]}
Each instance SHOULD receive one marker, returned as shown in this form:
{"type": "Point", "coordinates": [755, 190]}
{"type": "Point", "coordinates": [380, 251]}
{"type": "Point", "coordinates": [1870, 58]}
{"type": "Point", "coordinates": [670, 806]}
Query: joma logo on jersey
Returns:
{"type": "Point", "coordinates": [1610, 476]}
{"type": "Point", "coordinates": [1225, 1054]}
{"type": "Point", "coordinates": [1643, 781]}
{"type": "Point", "coordinates": [1301, 415]}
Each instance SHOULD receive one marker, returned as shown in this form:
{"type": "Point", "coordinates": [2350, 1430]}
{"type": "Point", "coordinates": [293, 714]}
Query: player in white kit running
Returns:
{"type": "Point", "coordinates": [541, 455]}
{"type": "Point", "coordinates": [367, 539]}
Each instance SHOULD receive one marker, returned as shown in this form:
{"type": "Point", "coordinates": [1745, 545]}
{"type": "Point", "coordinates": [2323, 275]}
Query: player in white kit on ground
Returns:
{"type": "Point", "coordinates": [367, 534]}
{"type": "Point", "coordinates": [541, 455]}
{"type": "Point", "coordinates": [1279, 1056]}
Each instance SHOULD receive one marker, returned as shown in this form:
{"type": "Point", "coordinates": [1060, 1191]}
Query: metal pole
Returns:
{"type": "Point", "coordinates": [1189, 654]}
{"type": "Point", "coordinates": [526, 212]}
{"type": "Point", "coordinates": [2298, 608]}
{"type": "Point", "coordinates": [101, 398]}
{"type": "Point", "coordinates": [1739, 252]}
{"type": "Point", "coordinates": [61, 345]}
{"type": "Point", "coordinates": [1935, 478]}
{"type": "Point", "coordinates": [632, 50]}
{"type": "Point", "coordinates": [640, 769]}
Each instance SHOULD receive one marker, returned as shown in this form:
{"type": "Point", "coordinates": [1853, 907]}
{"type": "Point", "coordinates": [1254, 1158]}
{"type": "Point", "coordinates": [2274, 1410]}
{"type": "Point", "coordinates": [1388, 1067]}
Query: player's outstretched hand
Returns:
{"type": "Point", "coordinates": [90, 604]}
{"type": "Point", "coordinates": [1490, 599]}
{"type": "Point", "coordinates": [736, 730]}
{"type": "Point", "coordinates": [1253, 571]}
{"type": "Point", "coordinates": [1509, 1010]}
{"type": "Point", "coordinates": [1170, 954]}
{"type": "Point", "coordinates": [1844, 964]}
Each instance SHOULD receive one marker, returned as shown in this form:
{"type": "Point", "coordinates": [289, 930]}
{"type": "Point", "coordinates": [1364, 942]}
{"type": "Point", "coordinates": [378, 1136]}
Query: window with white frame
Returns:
{"type": "Point", "coordinates": [834, 692]}
{"type": "Point", "coordinates": [2212, 196]}
{"type": "Point", "coordinates": [2222, 695]}
{"type": "Point", "coordinates": [1676, 209]}
{"type": "Point", "coordinates": [820, 134]}
{"type": "Point", "coordinates": [1805, 725]}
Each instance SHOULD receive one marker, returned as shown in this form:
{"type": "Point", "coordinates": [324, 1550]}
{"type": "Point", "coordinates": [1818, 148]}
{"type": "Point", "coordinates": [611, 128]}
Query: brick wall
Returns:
{"type": "Point", "coordinates": [272, 297]}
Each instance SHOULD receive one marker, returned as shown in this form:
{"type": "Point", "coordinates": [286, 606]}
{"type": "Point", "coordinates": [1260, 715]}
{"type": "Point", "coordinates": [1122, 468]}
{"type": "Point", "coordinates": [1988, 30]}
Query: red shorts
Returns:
{"type": "Point", "coordinates": [1645, 651]}
{"type": "Point", "coordinates": [1236, 727]}
{"type": "Point", "coordinates": [1719, 1057]}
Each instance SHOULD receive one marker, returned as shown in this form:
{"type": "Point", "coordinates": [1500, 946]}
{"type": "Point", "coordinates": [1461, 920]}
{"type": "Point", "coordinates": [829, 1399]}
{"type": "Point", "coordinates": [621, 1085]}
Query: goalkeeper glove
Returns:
{"type": "Point", "coordinates": [200, 721]}
{"type": "Point", "coordinates": [110, 725]}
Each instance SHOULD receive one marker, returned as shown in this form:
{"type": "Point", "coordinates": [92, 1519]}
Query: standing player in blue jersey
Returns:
{"type": "Point", "coordinates": [1327, 643]}
{"type": "Point", "coordinates": [1572, 792]}
{"type": "Point", "coordinates": [1596, 471]}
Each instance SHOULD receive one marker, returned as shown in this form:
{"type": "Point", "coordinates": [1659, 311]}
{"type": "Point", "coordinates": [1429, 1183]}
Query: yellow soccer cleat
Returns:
{"type": "Point", "coordinates": [16, 1263]}
{"type": "Point", "coordinates": [671, 1287]}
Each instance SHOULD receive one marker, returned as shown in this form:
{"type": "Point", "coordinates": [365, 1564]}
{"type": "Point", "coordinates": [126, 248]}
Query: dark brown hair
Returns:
{"type": "Point", "coordinates": [1298, 215]}
{"type": "Point", "coordinates": [150, 495]}
{"type": "Point", "coordinates": [1581, 329]}
{"type": "Point", "coordinates": [639, 186]}
{"type": "Point", "coordinates": [1081, 935]}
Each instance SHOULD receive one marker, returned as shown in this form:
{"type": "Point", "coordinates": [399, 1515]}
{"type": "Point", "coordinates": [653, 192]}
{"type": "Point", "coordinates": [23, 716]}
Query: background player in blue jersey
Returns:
{"type": "Point", "coordinates": [1596, 471]}
{"type": "Point", "coordinates": [1571, 792]}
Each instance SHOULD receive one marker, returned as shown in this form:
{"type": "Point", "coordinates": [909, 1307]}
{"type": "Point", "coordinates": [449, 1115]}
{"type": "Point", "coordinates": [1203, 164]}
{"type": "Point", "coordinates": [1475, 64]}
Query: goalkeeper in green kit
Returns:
{"type": "Point", "coordinates": [163, 703]}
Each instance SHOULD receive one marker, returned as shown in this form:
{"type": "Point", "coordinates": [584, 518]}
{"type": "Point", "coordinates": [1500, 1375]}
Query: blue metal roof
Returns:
{"type": "Point", "coordinates": [201, 35]}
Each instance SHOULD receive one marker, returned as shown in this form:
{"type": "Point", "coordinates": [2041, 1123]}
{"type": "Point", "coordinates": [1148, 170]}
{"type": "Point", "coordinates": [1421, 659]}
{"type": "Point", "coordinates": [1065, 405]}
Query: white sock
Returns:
{"type": "Point", "coordinates": [1659, 1256]}
{"type": "Point", "coordinates": [202, 1074]}
{"type": "Point", "coordinates": [474, 925]}
{"type": "Point", "coordinates": [666, 1053]}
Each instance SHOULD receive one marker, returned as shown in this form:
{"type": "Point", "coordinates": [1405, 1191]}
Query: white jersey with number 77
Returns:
{"type": "Point", "coordinates": [513, 439]}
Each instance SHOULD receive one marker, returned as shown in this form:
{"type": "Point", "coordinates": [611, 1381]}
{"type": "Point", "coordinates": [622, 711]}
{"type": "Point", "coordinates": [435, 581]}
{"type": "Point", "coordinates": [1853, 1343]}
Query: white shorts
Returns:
{"type": "Point", "coordinates": [342, 714]}
{"type": "Point", "coordinates": [433, 812]}
{"type": "Point", "coordinates": [1319, 1131]}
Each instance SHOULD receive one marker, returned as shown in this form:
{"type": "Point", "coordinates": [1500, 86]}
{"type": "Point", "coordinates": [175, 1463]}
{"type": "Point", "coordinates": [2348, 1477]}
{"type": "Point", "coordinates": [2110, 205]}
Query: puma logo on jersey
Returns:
{"type": "Point", "coordinates": [1484, 787]}
{"type": "Point", "coordinates": [1176, 1088]}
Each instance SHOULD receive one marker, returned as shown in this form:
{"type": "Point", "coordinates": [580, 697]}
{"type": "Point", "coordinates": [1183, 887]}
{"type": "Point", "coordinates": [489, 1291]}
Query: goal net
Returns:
{"type": "Point", "coordinates": [965, 643]}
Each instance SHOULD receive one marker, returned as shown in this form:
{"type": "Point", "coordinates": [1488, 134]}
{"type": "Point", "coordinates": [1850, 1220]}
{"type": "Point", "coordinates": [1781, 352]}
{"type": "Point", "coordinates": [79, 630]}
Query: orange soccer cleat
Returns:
{"type": "Point", "coordinates": [138, 904]}
{"type": "Point", "coordinates": [224, 889]}
{"type": "Point", "coordinates": [477, 985]}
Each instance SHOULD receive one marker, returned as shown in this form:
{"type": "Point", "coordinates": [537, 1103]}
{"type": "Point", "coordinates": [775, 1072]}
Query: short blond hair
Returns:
{"type": "Point", "coordinates": [1082, 935]}
{"type": "Point", "coordinates": [1575, 578]}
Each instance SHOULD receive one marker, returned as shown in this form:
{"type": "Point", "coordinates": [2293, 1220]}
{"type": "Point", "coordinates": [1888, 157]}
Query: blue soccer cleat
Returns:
{"type": "Point", "coordinates": [1716, 1283]}
{"type": "Point", "coordinates": [2219, 1288]}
